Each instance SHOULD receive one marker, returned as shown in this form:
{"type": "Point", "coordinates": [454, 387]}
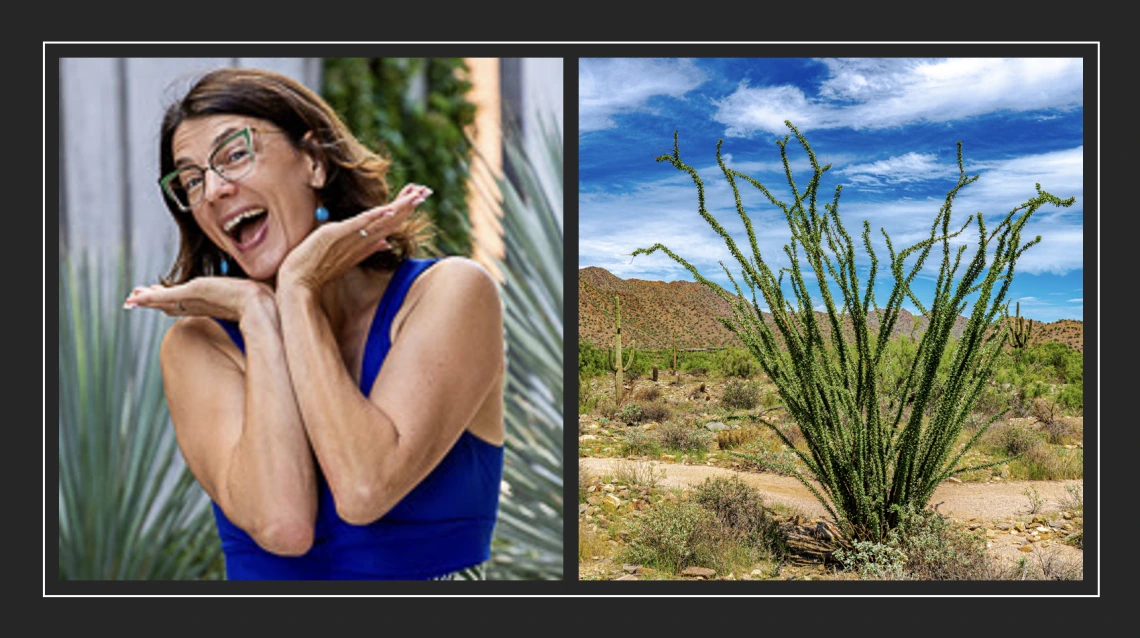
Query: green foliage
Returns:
{"type": "Point", "coordinates": [922, 546]}
{"type": "Point", "coordinates": [630, 414]}
{"type": "Point", "coordinates": [654, 412]}
{"type": "Point", "coordinates": [638, 442]}
{"type": "Point", "coordinates": [740, 395]}
{"type": "Point", "coordinates": [677, 435]}
{"type": "Point", "coordinates": [736, 362]}
{"type": "Point", "coordinates": [424, 138]}
{"type": "Point", "coordinates": [871, 447]}
{"type": "Point", "coordinates": [592, 360]}
{"type": "Point", "coordinates": [739, 508]}
{"type": "Point", "coordinates": [528, 534]}
{"type": "Point", "coordinates": [671, 536]}
{"type": "Point", "coordinates": [128, 508]}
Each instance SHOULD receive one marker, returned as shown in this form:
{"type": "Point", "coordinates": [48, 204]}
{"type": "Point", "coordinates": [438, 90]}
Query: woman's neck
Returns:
{"type": "Point", "coordinates": [353, 294]}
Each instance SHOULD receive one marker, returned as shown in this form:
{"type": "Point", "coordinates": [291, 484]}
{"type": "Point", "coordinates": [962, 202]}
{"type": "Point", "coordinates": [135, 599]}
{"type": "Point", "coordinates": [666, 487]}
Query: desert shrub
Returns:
{"type": "Point", "coordinates": [592, 360]}
{"type": "Point", "coordinates": [607, 408]}
{"type": "Point", "coordinates": [649, 393]}
{"type": "Point", "coordinates": [671, 536]}
{"type": "Point", "coordinates": [588, 396]}
{"type": "Point", "coordinates": [1015, 437]}
{"type": "Point", "coordinates": [739, 508]}
{"type": "Point", "coordinates": [874, 561]}
{"type": "Point", "coordinates": [1044, 463]}
{"type": "Point", "coordinates": [727, 439]}
{"type": "Point", "coordinates": [684, 436]}
{"type": "Point", "coordinates": [740, 395]}
{"type": "Point", "coordinates": [792, 431]}
{"type": "Point", "coordinates": [1072, 397]}
{"type": "Point", "coordinates": [590, 544]}
{"type": "Point", "coordinates": [923, 546]}
{"type": "Point", "coordinates": [655, 412]}
{"type": "Point", "coordinates": [697, 372]}
{"type": "Point", "coordinates": [638, 442]}
{"type": "Point", "coordinates": [638, 474]}
{"type": "Point", "coordinates": [736, 362]}
{"type": "Point", "coordinates": [630, 414]}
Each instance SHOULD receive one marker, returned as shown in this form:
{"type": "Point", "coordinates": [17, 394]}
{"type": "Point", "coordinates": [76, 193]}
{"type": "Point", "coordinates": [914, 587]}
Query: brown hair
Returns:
{"type": "Point", "coordinates": [355, 176]}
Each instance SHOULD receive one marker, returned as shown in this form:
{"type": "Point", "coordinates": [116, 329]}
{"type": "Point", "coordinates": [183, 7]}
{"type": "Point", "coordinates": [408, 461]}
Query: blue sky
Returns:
{"type": "Point", "coordinates": [889, 127]}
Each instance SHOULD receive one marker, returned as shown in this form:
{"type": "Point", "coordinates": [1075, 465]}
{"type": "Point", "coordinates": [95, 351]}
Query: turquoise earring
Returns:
{"type": "Point", "coordinates": [224, 267]}
{"type": "Point", "coordinates": [322, 214]}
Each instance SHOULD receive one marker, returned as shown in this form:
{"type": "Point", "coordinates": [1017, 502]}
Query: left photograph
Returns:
{"type": "Point", "coordinates": [310, 319]}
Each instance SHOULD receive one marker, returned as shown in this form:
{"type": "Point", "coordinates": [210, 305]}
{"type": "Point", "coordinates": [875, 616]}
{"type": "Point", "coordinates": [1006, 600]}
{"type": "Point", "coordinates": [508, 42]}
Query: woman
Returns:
{"type": "Point", "coordinates": [339, 401]}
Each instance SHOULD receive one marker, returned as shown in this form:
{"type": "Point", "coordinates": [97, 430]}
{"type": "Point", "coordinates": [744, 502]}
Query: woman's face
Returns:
{"type": "Point", "coordinates": [258, 218]}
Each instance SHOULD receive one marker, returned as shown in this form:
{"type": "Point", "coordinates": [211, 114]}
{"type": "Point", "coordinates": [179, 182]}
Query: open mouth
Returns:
{"type": "Point", "coordinates": [246, 227]}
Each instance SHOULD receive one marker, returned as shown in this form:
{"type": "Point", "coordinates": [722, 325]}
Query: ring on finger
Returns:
{"type": "Point", "coordinates": [363, 232]}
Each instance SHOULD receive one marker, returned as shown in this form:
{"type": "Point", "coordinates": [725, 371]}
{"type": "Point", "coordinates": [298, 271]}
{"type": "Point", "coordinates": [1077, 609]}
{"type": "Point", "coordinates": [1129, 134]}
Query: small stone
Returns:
{"type": "Point", "coordinates": [715, 426]}
{"type": "Point", "coordinates": [611, 502]}
{"type": "Point", "coordinates": [1056, 524]}
{"type": "Point", "coordinates": [1068, 527]}
{"type": "Point", "coordinates": [1042, 528]}
{"type": "Point", "coordinates": [1005, 527]}
{"type": "Point", "coordinates": [592, 488]}
{"type": "Point", "coordinates": [652, 425]}
{"type": "Point", "coordinates": [1067, 515]}
{"type": "Point", "coordinates": [1028, 547]}
{"type": "Point", "coordinates": [990, 533]}
{"type": "Point", "coordinates": [757, 572]}
{"type": "Point", "coordinates": [699, 572]}
{"type": "Point", "coordinates": [953, 479]}
{"type": "Point", "coordinates": [1019, 526]}
{"type": "Point", "coordinates": [630, 569]}
{"type": "Point", "coordinates": [608, 487]}
{"type": "Point", "coordinates": [587, 437]}
{"type": "Point", "coordinates": [669, 457]}
{"type": "Point", "coordinates": [594, 500]}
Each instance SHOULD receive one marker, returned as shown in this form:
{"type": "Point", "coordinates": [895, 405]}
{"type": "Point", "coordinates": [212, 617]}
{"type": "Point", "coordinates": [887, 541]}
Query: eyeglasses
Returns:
{"type": "Point", "coordinates": [232, 160]}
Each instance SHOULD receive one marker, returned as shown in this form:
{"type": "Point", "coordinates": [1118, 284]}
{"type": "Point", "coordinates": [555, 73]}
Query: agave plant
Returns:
{"type": "Point", "coordinates": [129, 509]}
{"type": "Point", "coordinates": [528, 537]}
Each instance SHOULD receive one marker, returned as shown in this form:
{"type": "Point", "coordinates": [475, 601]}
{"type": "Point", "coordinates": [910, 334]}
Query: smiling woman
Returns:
{"type": "Point", "coordinates": [320, 378]}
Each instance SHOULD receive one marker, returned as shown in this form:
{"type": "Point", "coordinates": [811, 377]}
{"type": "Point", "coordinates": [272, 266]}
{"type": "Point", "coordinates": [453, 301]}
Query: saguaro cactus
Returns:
{"type": "Point", "coordinates": [676, 370]}
{"type": "Point", "coordinates": [615, 356]}
{"type": "Point", "coordinates": [1020, 330]}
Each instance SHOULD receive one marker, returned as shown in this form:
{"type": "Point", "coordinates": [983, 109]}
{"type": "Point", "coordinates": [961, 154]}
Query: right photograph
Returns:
{"type": "Point", "coordinates": [830, 319]}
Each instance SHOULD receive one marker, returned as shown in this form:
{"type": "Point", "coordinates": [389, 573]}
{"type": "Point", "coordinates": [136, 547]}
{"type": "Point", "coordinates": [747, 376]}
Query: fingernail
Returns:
{"type": "Point", "coordinates": [419, 200]}
{"type": "Point", "coordinates": [129, 306]}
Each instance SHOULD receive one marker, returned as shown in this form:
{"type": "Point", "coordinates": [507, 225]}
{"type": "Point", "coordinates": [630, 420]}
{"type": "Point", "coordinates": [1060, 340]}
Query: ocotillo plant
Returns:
{"type": "Point", "coordinates": [1021, 330]}
{"type": "Point", "coordinates": [615, 356]}
{"type": "Point", "coordinates": [868, 448]}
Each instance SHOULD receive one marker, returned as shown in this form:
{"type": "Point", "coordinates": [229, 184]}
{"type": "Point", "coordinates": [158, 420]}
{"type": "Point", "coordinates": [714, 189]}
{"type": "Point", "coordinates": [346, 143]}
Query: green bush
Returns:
{"type": "Point", "coordinates": [638, 442]}
{"type": "Point", "coordinates": [739, 508]}
{"type": "Point", "coordinates": [426, 140]}
{"type": "Point", "coordinates": [683, 436]}
{"type": "Point", "coordinates": [630, 414]}
{"type": "Point", "coordinates": [672, 536]}
{"type": "Point", "coordinates": [740, 395]}
{"type": "Point", "coordinates": [655, 412]}
{"type": "Point", "coordinates": [923, 546]}
{"type": "Point", "coordinates": [592, 360]}
{"type": "Point", "coordinates": [736, 362]}
{"type": "Point", "coordinates": [1015, 437]}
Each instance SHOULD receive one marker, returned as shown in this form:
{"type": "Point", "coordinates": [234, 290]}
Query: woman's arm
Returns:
{"type": "Point", "coordinates": [238, 425]}
{"type": "Point", "coordinates": [446, 356]}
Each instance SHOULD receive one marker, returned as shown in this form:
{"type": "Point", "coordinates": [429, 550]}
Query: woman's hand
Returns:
{"type": "Point", "coordinates": [221, 297]}
{"type": "Point", "coordinates": [330, 250]}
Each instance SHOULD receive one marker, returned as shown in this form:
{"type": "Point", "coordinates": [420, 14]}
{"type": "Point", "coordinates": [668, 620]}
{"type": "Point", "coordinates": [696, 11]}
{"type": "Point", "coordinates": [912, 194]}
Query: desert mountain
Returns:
{"type": "Point", "coordinates": [653, 310]}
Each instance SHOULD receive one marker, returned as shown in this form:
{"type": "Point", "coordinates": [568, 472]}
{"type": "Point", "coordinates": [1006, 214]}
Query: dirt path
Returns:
{"type": "Point", "coordinates": [982, 502]}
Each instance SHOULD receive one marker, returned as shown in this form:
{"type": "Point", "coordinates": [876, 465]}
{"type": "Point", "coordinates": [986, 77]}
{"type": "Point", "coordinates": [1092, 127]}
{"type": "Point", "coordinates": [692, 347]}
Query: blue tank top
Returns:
{"type": "Point", "coordinates": [443, 525]}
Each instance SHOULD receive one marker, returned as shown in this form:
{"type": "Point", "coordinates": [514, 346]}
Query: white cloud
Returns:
{"type": "Point", "coordinates": [608, 87]}
{"type": "Point", "coordinates": [1028, 299]}
{"type": "Point", "coordinates": [911, 167]}
{"type": "Point", "coordinates": [1077, 300]}
{"type": "Point", "coordinates": [879, 93]}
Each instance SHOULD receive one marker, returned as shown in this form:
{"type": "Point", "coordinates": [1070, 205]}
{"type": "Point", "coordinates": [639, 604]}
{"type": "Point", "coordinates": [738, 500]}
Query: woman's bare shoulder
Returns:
{"type": "Point", "coordinates": [452, 283]}
{"type": "Point", "coordinates": [201, 336]}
